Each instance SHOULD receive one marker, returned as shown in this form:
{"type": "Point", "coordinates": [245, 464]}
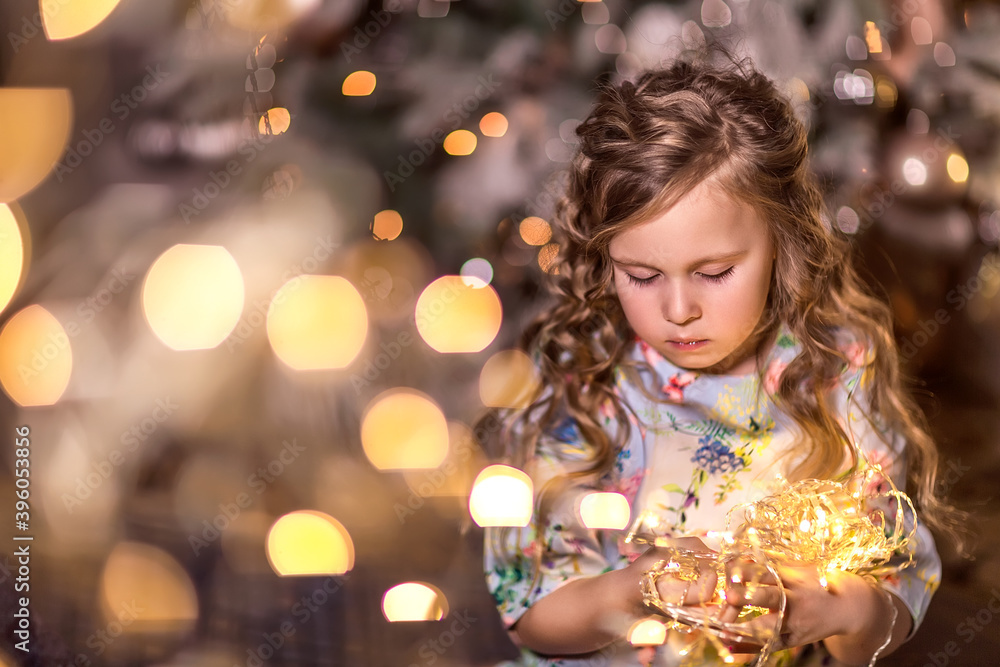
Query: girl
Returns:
{"type": "Point", "coordinates": [709, 335]}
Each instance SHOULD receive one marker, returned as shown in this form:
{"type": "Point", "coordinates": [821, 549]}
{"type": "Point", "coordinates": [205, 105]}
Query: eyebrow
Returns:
{"type": "Point", "coordinates": [697, 263]}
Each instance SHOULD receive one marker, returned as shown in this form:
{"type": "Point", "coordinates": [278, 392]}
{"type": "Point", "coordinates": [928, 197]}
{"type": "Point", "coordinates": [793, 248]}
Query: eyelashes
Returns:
{"type": "Point", "coordinates": [719, 277]}
{"type": "Point", "coordinates": [639, 281]}
{"type": "Point", "coordinates": [716, 278]}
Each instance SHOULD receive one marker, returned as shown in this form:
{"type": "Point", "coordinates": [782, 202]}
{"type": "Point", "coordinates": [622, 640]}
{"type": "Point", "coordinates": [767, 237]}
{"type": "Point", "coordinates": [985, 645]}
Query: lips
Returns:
{"type": "Point", "coordinates": [686, 341]}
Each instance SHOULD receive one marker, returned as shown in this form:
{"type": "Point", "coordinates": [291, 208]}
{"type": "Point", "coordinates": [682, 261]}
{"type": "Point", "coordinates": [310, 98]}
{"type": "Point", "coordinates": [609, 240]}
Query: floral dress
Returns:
{"type": "Point", "coordinates": [712, 442]}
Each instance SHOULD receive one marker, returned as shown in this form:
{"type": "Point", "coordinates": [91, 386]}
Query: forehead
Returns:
{"type": "Point", "coordinates": [705, 221]}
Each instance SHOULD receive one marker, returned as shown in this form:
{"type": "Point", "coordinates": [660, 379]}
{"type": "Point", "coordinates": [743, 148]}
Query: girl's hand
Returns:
{"type": "Point", "coordinates": [670, 588]}
{"type": "Point", "coordinates": [849, 605]}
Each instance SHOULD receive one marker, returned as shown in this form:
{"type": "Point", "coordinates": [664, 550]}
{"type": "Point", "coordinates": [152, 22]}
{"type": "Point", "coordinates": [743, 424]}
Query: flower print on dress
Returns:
{"type": "Point", "coordinates": [772, 376]}
{"type": "Point", "coordinates": [566, 431]}
{"type": "Point", "coordinates": [653, 358]}
{"type": "Point", "coordinates": [857, 355]}
{"type": "Point", "coordinates": [716, 457]}
{"type": "Point", "coordinates": [674, 389]}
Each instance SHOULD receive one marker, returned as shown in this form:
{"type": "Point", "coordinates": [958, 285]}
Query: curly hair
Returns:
{"type": "Point", "coordinates": [643, 147]}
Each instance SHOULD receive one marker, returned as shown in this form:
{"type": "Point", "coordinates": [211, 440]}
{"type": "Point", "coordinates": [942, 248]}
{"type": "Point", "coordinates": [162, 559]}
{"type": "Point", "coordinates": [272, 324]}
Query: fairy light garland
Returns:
{"type": "Point", "coordinates": [836, 526]}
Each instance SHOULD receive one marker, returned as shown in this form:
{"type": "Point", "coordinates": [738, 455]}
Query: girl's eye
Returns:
{"type": "Point", "coordinates": [718, 277]}
{"type": "Point", "coordinates": [640, 281]}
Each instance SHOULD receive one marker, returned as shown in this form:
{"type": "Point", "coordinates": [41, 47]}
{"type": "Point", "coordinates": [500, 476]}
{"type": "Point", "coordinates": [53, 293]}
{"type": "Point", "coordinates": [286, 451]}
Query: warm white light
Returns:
{"type": "Point", "coordinates": [34, 128]}
{"type": "Point", "coordinates": [309, 543]}
{"type": "Point", "coordinates": [508, 380]}
{"type": "Point", "coordinates": [501, 496]}
{"type": "Point", "coordinates": [457, 314]}
{"type": "Point", "coordinates": [914, 171]}
{"type": "Point", "coordinates": [958, 168]}
{"type": "Point", "coordinates": [36, 358]}
{"type": "Point", "coordinates": [12, 254]}
{"type": "Point", "coordinates": [192, 296]}
{"type": "Point", "coordinates": [605, 510]}
{"type": "Point", "coordinates": [317, 323]}
{"type": "Point", "coordinates": [647, 632]}
{"type": "Point", "coordinates": [414, 601]}
{"type": "Point", "coordinates": [63, 19]}
{"type": "Point", "coordinates": [404, 429]}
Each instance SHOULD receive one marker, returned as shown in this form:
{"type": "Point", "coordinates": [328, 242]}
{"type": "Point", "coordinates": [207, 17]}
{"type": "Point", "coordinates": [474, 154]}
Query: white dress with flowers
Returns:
{"type": "Point", "coordinates": [715, 441]}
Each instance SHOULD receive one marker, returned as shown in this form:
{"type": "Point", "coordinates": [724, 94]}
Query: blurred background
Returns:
{"type": "Point", "coordinates": [264, 262]}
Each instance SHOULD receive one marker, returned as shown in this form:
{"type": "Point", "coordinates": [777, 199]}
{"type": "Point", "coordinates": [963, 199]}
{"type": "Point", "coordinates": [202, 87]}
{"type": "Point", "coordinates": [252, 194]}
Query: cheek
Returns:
{"type": "Point", "coordinates": [638, 305]}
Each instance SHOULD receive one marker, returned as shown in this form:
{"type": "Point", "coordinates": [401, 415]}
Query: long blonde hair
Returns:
{"type": "Point", "coordinates": [643, 146]}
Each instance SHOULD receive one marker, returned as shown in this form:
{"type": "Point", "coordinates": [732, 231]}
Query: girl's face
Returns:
{"type": "Point", "coordinates": [693, 282]}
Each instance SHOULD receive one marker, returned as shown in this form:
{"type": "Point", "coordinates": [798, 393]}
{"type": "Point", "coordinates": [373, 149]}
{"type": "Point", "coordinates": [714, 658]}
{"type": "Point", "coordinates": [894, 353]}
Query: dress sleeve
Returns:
{"type": "Point", "coordinates": [915, 584]}
{"type": "Point", "coordinates": [570, 550]}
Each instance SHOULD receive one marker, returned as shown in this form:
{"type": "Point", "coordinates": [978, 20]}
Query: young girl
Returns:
{"type": "Point", "coordinates": [709, 335]}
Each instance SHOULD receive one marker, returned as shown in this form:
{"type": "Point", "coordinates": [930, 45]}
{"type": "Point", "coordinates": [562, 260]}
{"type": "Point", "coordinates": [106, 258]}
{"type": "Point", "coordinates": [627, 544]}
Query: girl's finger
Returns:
{"type": "Point", "coordinates": [677, 591]}
{"type": "Point", "coordinates": [764, 628]}
{"type": "Point", "coordinates": [758, 595]}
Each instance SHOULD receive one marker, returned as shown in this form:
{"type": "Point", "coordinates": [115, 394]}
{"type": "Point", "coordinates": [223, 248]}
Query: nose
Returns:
{"type": "Point", "coordinates": [680, 305]}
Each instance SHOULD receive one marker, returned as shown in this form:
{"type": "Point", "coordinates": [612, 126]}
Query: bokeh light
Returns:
{"type": "Point", "coordinates": [921, 31]}
{"type": "Point", "coordinates": [359, 84]}
{"type": "Point", "coordinates": [958, 168]}
{"type": "Point", "coordinates": [508, 380]}
{"type": "Point", "coordinates": [460, 142]}
{"type": "Point", "coordinates": [477, 271]}
{"type": "Point", "coordinates": [455, 475]}
{"type": "Point", "coordinates": [944, 55]}
{"type": "Point", "coordinates": [647, 632]}
{"type": "Point", "coordinates": [34, 128]}
{"type": "Point", "coordinates": [309, 543]}
{"type": "Point", "coordinates": [716, 14]}
{"type": "Point", "coordinates": [151, 585]}
{"type": "Point", "coordinates": [914, 171]}
{"type": "Point", "coordinates": [192, 296]}
{"type": "Point", "coordinates": [547, 257]}
{"type": "Point", "coordinates": [403, 428]}
{"type": "Point", "coordinates": [13, 255]}
{"type": "Point", "coordinates": [275, 121]}
{"type": "Point", "coordinates": [873, 37]}
{"type": "Point", "coordinates": [317, 322]}
{"type": "Point", "coordinates": [387, 275]}
{"type": "Point", "coordinates": [453, 316]}
{"type": "Point", "coordinates": [535, 231]}
{"type": "Point", "coordinates": [36, 358]}
{"type": "Point", "coordinates": [388, 225]}
{"type": "Point", "coordinates": [493, 124]}
{"type": "Point", "coordinates": [501, 496]}
{"type": "Point", "coordinates": [265, 15]}
{"type": "Point", "coordinates": [605, 510]}
{"type": "Point", "coordinates": [414, 601]}
{"type": "Point", "coordinates": [64, 19]}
